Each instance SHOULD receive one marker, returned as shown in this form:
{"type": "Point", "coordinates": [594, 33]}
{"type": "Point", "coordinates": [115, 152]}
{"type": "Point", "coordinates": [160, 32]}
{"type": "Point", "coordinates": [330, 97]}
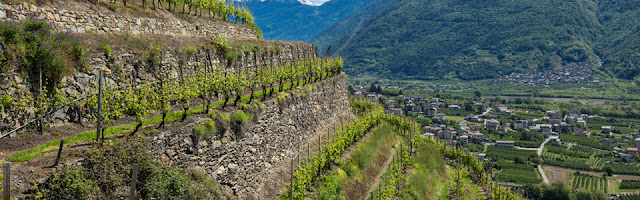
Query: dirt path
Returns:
{"type": "Point", "coordinates": [544, 176]}
{"type": "Point", "coordinates": [384, 168]}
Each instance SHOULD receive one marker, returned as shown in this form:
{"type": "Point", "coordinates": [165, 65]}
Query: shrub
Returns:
{"type": "Point", "coordinates": [34, 44]}
{"type": "Point", "coordinates": [107, 50]}
{"type": "Point", "coordinates": [243, 106]}
{"type": "Point", "coordinates": [206, 130]}
{"type": "Point", "coordinates": [105, 171]}
{"type": "Point", "coordinates": [71, 183]}
{"type": "Point", "coordinates": [332, 185]}
{"type": "Point", "coordinates": [112, 7]}
{"type": "Point", "coordinates": [171, 183]}
{"type": "Point", "coordinates": [240, 117]}
{"type": "Point", "coordinates": [225, 117]}
{"type": "Point", "coordinates": [282, 97]}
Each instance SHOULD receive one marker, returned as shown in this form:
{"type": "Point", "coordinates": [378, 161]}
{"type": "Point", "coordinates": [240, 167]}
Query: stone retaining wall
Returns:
{"type": "Point", "coordinates": [111, 22]}
{"type": "Point", "coordinates": [268, 145]}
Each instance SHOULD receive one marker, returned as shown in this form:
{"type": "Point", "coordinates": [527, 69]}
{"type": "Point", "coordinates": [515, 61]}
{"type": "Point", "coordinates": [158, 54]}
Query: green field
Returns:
{"type": "Point", "coordinates": [455, 118]}
{"type": "Point", "coordinates": [588, 182]}
{"type": "Point", "coordinates": [517, 173]}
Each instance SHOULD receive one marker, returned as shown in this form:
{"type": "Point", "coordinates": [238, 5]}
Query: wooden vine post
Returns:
{"type": "Point", "coordinates": [41, 112]}
{"type": "Point", "coordinates": [99, 113]}
{"type": "Point", "coordinates": [6, 192]}
{"type": "Point", "coordinates": [134, 180]}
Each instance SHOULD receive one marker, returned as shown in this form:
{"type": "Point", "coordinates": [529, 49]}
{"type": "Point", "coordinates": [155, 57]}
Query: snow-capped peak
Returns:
{"type": "Point", "coordinates": [313, 2]}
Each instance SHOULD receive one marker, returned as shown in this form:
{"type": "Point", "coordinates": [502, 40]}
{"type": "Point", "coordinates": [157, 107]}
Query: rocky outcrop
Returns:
{"type": "Point", "coordinates": [269, 143]}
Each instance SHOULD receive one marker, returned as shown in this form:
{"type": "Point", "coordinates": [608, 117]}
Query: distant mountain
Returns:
{"type": "Point", "coordinates": [292, 20]}
{"type": "Point", "coordinates": [443, 39]}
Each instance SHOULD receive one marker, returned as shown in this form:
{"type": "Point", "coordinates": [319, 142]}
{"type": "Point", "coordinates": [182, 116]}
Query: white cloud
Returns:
{"type": "Point", "coordinates": [313, 2]}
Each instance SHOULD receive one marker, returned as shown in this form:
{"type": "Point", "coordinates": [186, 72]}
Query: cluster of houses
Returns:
{"type": "Point", "coordinates": [428, 107]}
{"type": "Point", "coordinates": [579, 74]}
{"type": "Point", "coordinates": [461, 136]}
{"type": "Point", "coordinates": [624, 155]}
{"type": "Point", "coordinates": [431, 89]}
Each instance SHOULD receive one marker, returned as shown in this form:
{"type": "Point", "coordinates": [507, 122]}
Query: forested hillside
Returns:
{"type": "Point", "coordinates": [349, 24]}
{"type": "Point", "coordinates": [620, 41]}
{"type": "Point", "coordinates": [442, 39]}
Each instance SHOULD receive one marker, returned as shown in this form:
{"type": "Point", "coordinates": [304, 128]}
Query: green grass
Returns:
{"type": "Point", "coordinates": [455, 118]}
{"type": "Point", "coordinates": [240, 117]}
{"type": "Point", "coordinates": [362, 166]}
{"type": "Point", "coordinates": [34, 152]}
{"type": "Point", "coordinates": [426, 163]}
{"type": "Point", "coordinates": [205, 130]}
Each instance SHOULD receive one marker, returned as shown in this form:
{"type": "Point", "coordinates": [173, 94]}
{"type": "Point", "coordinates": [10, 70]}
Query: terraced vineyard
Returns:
{"type": "Point", "coordinates": [576, 157]}
{"type": "Point", "coordinates": [629, 196]}
{"type": "Point", "coordinates": [591, 183]}
{"type": "Point", "coordinates": [598, 162]}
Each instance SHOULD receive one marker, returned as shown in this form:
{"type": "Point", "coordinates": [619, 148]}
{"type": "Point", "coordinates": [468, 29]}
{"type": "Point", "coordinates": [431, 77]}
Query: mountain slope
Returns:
{"type": "Point", "coordinates": [442, 39]}
{"type": "Point", "coordinates": [620, 42]}
{"type": "Point", "coordinates": [291, 20]}
{"type": "Point", "coordinates": [350, 24]}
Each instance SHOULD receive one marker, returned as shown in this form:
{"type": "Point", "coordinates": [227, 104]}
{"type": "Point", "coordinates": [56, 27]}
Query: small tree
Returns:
{"type": "Point", "coordinates": [608, 170]}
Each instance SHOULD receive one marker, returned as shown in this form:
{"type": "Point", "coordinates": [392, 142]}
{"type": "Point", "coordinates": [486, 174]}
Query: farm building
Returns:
{"type": "Point", "coordinates": [505, 143]}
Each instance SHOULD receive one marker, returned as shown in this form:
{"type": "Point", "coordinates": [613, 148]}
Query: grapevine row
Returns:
{"type": "Point", "coordinates": [331, 151]}
{"type": "Point", "coordinates": [466, 159]}
{"type": "Point", "coordinates": [388, 189]}
{"type": "Point", "coordinates": [219, 9]}
{"type": "Point", "coordinates": [206, 85]}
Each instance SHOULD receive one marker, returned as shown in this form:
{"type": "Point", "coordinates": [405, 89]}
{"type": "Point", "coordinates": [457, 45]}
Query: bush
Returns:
{"type": "Point", "coordinates": [105, 174]}
{"type": "Point", "coordinates": [332, 185]}
{"type": "Point", "coordinates": [107, 51]}
{"type": "Point", "coordinates": [171, 183]}
{"type": "Point", "coordinates": [240, 117]}
{"type": "Point", "coordinates": [34, 44]}
{"type": "Point", "coordinates": [206, 130]}
{"type": "Point", "coordinates": [225, 117]}
{"type": "Point", "coordinates": [71, 183]}
{"type": "Point", "coordinates": [282, 97]}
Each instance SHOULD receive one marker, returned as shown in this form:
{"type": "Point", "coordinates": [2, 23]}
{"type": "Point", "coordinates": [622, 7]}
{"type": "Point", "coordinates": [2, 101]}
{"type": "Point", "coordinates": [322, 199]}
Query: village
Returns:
{"type": "Point", "coordinates": [581, 73]}
{"type": "Point", "coordinates": [517, 142]}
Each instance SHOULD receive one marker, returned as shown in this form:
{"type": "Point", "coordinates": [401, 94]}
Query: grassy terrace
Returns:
{"type": "Point", "coordinates": [441, 176]}
{"type": "Point", "coordinates": [32, 153]}
{"type": "Point", "coordinates": [356, 173]}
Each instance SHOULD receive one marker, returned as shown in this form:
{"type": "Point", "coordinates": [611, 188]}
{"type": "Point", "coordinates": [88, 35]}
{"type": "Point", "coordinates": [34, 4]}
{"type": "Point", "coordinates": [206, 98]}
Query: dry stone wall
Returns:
{"type": "Point", "coordinates": [111, 22]}
{"type": "Point", "coordinates": [268, 144]}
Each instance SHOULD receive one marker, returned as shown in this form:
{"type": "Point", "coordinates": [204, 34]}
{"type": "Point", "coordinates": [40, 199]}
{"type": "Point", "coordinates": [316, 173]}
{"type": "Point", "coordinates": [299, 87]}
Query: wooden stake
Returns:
{"type": "Point", "coordinates": [134, 180]}
{"type": "Point", "coordinates": [6, 193]}
{"type": "Point", "coordinates": [99, 106]}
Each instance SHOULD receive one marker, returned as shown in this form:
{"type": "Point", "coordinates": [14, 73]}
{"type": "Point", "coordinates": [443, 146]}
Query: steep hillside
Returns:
{"type": "Point", "coordinates": [485, 39]}
{"type": "Point", "coordinates": [293, 21]}
{"type": "Point", "coordinates": [349, 24]}
{"type": "Point", "coordinates": [620, 41]}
